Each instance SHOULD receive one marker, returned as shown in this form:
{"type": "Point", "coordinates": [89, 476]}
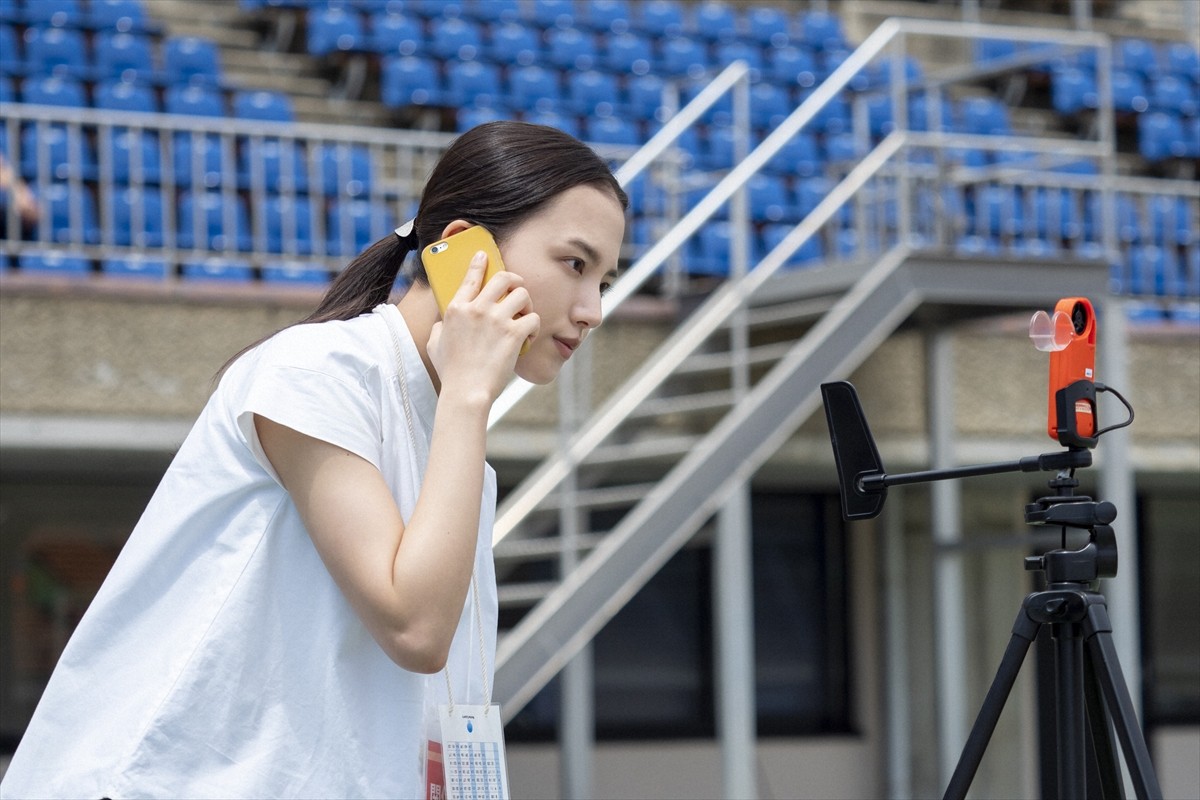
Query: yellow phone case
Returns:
{"type": "Point", "coordinates": [446, 261]}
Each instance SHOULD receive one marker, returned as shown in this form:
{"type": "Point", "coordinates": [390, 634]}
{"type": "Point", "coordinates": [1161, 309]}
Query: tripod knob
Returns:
{"type": "Point", "coordinates": [1106, 512]}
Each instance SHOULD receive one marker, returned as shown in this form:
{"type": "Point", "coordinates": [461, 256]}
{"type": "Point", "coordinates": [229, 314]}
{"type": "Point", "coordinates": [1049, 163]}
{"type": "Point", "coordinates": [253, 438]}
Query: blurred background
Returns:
{"type": "Point", "coordinates": [882, 192]}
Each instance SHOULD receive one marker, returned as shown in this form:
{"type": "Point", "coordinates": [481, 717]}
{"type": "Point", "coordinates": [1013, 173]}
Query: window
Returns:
{"type": "Point", "coordinates": [653, 663]}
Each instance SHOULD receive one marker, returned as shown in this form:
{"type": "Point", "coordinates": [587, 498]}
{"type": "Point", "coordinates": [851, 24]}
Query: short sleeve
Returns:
{"type": "Point", "coordinates": [324, 406]}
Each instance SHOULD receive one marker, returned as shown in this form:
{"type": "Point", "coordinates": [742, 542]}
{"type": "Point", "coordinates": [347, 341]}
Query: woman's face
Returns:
{"type": "Point", "coordinates": [567, 253]}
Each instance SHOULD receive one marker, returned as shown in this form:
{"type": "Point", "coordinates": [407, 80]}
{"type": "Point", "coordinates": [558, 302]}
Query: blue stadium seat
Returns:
{"type": "Point", "coordinates": [644, 93]}
{"type": "Point", "coordinates": [54, 90]}
{"type": "Point", "coordinates": [295, 274]}
{"type": "Point", "coordinates": [394, 34]}
{"type": "Point", "coordinates": [213, 221]}
{"type": "Point", "coordinates": [801, 155]}
{"type": "Point", "coordinates": [1129, 91]}
{"type": "Point", "coordinates": [1149, 266]}
{"type": "Point", "coordinates": [71, 214]}
{"type": "Point", "coordinates": [716, 151]}
{"type": "Point", "coordinates": [493, 11]}
{"type": "Point", "coordinates": [791, 66]}
{"type": "Point", "coordinates": [135, 156]}
{"type": "Point", "coordinates": [455, 37]}
{"type": "Point", "coordinates": [61, 51]}
{"type": "Point", "coordinates": [54, 152]}
{"type": "Point", "coordinates": [195, 100]}
{"type": "Point", "coordinates": [58, 13]}
{"type": "Point", "coordinates": [1161, 136]}
{"type": "Point", "coordinates": [549, 14]}
{"type": "Point", "coordinates": [468, 118]}
{"type": "Point", "coordinates": [659, 18]}
{"type": "Point", "coordinates": [919, 109]}
{"type": "Point", "coordinates": [770, 199]}
{"type": "Point", "coordinates": [627, 53]}
{"type": "Point", "coordinates": [1191, 137]}
{"type": "Point", "coordinates": [985, 115]}
{"type": "Point", "coordinates": [281, 161]}
{"type": "Point", "coordinates": [684, 55]}
{"type": "Point", "coordinates": [592, 93]}
{"type": "Point", "coordinates": [11, 61]}
{"type": "Point", "coordinates": [123, 55]}
{"type": "Point", "coordinates": [354, 224]}
{"type": "Point", "coordinates": [810, 192]}
{"type": "Point", "coordinates": [708, 251]}
{"type": "Point", "coordinates": [769, 105]}
{"type": "Point", "coordinates": [409, 81]}
{"type": "Point", "coordinates": [553, 119]}
{"type": "Point", "coordinates": [288, 224]}
{"type": "Point", "coordinates": [136, 215]}
{"type": "Point", "coordinates": [996, 212]}
{"type": "Point", "coordinates": [611, 130]}
{"type": "Point", "coordinates": [842, 147]}
{"type": "Point", "coordinates": [571, 48]}
{"type": "Point", "coordinates": [217, 270]}
{"type": "Point", "coordinates": [135, 267]}
{"type": "Point", "coordinates": [513, 44]}
{"type": "Point", "coordinates": [1174, 94]}
{"type": "Point", "coordinates": [125, 16]}
{"type": "Point", "coordinates": [769, 26]}
{"type": "Point", "coordinates": [821, 30]}
{"type": "Point", "coordinates": [263, 105]}
{"type": "Point", "coordinates": [1170, 221]}
{"type": "Point", "coordinates": [470, 83]}
{"type": "Point", "coordinates": [534, 88]}
{"type": "Point", "coordinates": [1136, 55]}
{"type": "Point", "coordinates": [1182, 60]}
{"type": "Point", "coordinates": [715, 21]}
{"type": "Point", "coordinates": [191, 59]}
{"type": "Point", "coordinates": [834, 116]}
{"type": "Point", "coordinates": [810, 253]}
{"type": "Point", "coordinates": [345, 170]}
{"type": "Point", "coordinates": [1073, 89]}
{"type": "Point", "coordinates": [11, 12]}
{"type": "Point", "coordinates": [606, 16]}
{"type": "Point", "coordinates": [7, 93]}
{"type": "Point", "coordinates": [198, 161]}
{"type": "Point", "coordinates": [739, 50]}
{"type": "Point", "coordinates": [333, 29]}
{"type": "Point", "coordinates": [55, 262]}
{"type": "Point", "coordinates": [122, 95]}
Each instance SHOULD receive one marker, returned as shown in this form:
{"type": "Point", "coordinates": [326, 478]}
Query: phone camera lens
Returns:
{"type": "Point", "coordinates": [1079, 317]}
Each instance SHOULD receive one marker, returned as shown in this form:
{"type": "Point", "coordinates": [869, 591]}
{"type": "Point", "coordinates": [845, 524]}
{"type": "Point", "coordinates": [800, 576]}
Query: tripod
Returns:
{"type": "Point", "coordinates": [1090, 691]}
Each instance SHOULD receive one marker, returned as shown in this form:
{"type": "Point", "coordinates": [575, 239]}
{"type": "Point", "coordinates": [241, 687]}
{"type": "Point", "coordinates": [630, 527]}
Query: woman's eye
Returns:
{"type": "Point", "coordinates": [576, 264]}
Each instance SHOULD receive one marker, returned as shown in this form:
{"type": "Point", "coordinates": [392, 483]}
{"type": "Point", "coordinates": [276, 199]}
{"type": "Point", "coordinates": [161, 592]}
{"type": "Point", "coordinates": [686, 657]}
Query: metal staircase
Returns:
{"type": "Point", "coordinates": [742, 372]}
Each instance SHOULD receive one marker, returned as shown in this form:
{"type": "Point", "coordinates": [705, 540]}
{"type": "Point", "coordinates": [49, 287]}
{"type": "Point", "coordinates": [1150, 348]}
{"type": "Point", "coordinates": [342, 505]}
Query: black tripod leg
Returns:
{"type": "Point", "coordinates": [1024, 632]}
{"type": "Point", "coordinates": [1104, 768]}
{"type": "Point", "coordinates": [1098, 632]}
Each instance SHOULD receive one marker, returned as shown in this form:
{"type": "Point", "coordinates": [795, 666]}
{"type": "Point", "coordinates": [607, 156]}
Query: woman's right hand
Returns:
{"type": "Point", "coordinates": [474, 347]}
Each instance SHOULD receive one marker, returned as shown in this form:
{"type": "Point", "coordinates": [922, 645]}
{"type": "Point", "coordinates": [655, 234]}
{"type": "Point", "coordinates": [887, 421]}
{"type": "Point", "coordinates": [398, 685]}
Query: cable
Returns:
{"type": "Point", "coordinates": [1100, 387]}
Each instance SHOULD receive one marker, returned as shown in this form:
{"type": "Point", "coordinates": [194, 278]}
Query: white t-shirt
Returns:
{"type": "Point", "coordinates": [219, 659]}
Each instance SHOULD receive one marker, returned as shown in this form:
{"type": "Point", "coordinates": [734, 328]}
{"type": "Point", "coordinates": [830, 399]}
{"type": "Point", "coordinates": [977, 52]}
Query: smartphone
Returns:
{"type": "Point", "coordinates": [446, 261]}
{"type": "Point", "coordinates": [1071, 412]}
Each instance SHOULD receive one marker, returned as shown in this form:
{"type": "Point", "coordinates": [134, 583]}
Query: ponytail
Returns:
{"type": "Point", "coordinates": [366, 281]}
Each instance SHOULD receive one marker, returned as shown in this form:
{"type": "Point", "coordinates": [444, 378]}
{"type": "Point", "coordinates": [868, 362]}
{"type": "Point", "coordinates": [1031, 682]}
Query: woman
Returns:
{"type": "Point", "coordinates": [316, 565]}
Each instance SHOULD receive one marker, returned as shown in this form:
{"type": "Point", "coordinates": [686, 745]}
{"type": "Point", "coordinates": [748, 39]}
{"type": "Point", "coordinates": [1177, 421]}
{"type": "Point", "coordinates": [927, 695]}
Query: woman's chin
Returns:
{"type": "Point", "coordinates": [535, 370]}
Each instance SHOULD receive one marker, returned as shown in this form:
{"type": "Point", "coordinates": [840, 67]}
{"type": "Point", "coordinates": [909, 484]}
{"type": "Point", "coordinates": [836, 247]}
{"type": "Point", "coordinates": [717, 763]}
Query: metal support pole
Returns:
{"type": "Point", "coordinates": [949, 619]}
{"type": "Point", "coordinates": [733, 595]}
{"type": "Point", "coordinates": [577, 713]}
{"type": "Point", "coordinates": [1118, 487]}
{"type": "Point", "coordinates": [895, 613]}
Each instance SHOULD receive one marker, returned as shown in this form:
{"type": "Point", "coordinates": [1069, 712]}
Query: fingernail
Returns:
{"type": "Point", "coordinates": [479, 257]}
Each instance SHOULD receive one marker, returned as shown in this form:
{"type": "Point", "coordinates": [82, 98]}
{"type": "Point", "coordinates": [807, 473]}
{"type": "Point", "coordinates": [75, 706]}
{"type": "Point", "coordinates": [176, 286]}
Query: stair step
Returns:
{"type": "Point", "coordinates": [541, 548]}
{"type": "Point", "coordinates": [521, 595]}
{"type": "Point", "coordinates": [648, 449]}
{"type": "Point", "coordinates": [683, 404]}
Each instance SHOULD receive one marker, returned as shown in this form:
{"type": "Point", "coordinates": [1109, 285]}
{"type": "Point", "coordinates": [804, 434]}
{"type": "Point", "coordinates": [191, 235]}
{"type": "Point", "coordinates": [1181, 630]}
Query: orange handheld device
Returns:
{"type": "Point", "coordinates": [446, 261]}
{"type": "Point", "coordinates": [1071, 408]}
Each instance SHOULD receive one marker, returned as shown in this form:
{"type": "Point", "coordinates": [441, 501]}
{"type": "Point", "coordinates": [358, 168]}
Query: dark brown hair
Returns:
{"type": "Point", "coordinates": [496, 175]}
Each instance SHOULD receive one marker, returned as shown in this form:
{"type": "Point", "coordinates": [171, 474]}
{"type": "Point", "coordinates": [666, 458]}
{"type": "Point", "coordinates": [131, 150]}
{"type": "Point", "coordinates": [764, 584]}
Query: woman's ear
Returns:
{"type": "Point", "coordinates": [456, 226]}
